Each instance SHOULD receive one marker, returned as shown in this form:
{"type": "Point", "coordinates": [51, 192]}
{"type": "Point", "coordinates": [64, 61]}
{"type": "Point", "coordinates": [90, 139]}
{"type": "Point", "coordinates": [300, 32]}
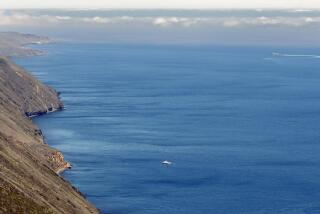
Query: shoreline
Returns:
{"type": "Point", "coordinates": [29, 167]}
{"type": "Point", "coordinates": [31, 115]}
{"type": "Point", "coordinates": [59, 155]}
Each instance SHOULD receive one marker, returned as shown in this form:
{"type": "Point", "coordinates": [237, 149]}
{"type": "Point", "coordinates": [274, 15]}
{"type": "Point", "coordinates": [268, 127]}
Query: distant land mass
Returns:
{"type": "Point", "coordinates": [29, 168]}
{"type": "Point", "coordinates": [14, 44]}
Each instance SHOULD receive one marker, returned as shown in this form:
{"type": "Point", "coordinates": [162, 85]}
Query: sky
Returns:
{"type": "Point", "coordinates": [167, 4]}
{"type": "Point", "coordinates": [223, 27]}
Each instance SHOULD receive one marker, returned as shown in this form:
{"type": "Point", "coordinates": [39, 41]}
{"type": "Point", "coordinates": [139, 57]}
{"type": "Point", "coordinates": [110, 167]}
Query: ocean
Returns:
{"type": "Point", "coordinates": [240, 125]}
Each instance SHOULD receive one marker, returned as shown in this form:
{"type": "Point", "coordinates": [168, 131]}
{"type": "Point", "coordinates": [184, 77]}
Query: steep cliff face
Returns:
{"type": "Point", "coordinates": [29, 182]}
{"type": "Point", "coordinates": [30, 95]}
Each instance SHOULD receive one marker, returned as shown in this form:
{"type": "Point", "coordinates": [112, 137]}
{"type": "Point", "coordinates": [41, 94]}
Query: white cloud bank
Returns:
{"type": "Point", "coordinates": [24, 19]}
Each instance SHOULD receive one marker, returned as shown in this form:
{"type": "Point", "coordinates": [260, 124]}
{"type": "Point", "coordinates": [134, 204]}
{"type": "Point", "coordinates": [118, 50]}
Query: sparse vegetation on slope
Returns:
{"type": "Point", "coordinates": [29, 182]}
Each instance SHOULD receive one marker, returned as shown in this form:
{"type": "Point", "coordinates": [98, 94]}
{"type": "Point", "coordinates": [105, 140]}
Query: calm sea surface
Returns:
{"type": "Point", "coordinates": [241, 126]}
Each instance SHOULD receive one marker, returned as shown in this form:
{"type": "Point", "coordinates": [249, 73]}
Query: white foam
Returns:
{"type": "Point", "coordinates": [296, 55]}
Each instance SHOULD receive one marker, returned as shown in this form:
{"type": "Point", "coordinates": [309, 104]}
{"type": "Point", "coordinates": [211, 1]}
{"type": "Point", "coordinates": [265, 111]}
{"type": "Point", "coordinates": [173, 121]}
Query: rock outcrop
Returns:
{"type": "Point", "coordinates": [29, 180]}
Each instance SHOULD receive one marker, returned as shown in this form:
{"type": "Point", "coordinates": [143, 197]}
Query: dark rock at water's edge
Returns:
{"type": "Point", "coordinates": [39, 113]}
{"type": "Point", "coordinates": [29, 168]}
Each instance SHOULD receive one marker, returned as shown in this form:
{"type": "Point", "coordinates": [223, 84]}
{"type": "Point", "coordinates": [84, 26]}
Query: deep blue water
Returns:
{"type": "Point", "coordinates": [241, 126]}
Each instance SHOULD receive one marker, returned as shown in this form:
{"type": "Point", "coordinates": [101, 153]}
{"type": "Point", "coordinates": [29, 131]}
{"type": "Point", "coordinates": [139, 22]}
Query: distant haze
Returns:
{"type": "Point", "coordinates": [167, 4]}
{"type": "Point", "coordinates": [298, 27]}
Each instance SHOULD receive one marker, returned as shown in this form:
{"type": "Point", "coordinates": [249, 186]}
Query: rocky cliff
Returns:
{"type": "Point", "coordinates": [29, 180]}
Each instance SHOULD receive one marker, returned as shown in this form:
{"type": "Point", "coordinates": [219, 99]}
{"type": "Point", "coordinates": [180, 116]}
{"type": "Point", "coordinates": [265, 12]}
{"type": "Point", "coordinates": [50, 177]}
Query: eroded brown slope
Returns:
{"type": "Point", "coordinates": [28, 179]}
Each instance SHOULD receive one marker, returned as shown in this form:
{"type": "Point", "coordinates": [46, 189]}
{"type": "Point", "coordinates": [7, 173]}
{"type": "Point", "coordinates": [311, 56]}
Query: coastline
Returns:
{"type": "Point", "coordinates": [29, 167]}
{"type": "Point", "coordinates": [30, 52]}
{"type": "Point", "coordinates": [58, 155]}
{"type": "Point", "coordinates": [18, 44]}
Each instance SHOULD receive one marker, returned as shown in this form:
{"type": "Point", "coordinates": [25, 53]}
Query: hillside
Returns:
{"type": "Point", "coordinates": [29, 180]}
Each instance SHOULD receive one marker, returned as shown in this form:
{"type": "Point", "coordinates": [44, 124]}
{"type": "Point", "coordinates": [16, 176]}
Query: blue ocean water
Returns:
{"type": "Point", "coordinates": [240, 124]}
